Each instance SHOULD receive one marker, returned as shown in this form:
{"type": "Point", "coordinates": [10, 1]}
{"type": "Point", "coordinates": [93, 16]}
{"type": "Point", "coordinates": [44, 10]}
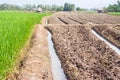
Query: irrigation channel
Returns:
{"type": "Point", "coordinates": [57, 71]}
{"type": "Point", "coordinates": [108, 43]}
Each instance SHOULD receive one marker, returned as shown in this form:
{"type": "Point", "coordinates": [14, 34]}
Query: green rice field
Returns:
{"type": "Point", "coordinates": [15, 29]}
{"type": "Point", "coordinates": [115, 13]}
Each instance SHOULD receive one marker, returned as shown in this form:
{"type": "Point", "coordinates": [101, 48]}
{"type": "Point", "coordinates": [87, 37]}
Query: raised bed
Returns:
{"type": "Point", "coordinates": [66, 20]}
{"type": "Point", "coordinates": [83, 56]}
{"type": "Point", "coordinates": [96, 18]}
{"type": "Point", "coordinates": [55, 20]}
{"type": "Point", "coordinates": [109, 32]}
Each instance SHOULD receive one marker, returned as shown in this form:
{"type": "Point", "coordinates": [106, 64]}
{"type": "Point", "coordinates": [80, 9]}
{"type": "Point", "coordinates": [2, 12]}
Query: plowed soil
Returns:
{"type": "Point", "coordinates": [85, 18]}
{"type": "Point", "coordinates": [96, 18]}
{"type": "Point", "coordinates": [83, 56]}
{"type": "Point", "coordinates": [55, 20]}
{"type": "Point", "coordinates": [111, 33]}
{"type": "Point", "coordinates": [66, 20]}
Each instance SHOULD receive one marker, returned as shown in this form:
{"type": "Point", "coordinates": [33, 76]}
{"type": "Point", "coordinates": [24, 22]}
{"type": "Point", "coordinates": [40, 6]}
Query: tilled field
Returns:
{"type": "Point", "coordinates": [66, 20]}
{"type": "Point", "coordinates": [110, 32]}
{"type": "Point", "coordinates": [83, 56]}
{"type": "Point", "coordinates": [85, 18]}
{"type": "Point", "coordinates": [97, 18]}
{"type": "Point", "coordinates": [54, 20]}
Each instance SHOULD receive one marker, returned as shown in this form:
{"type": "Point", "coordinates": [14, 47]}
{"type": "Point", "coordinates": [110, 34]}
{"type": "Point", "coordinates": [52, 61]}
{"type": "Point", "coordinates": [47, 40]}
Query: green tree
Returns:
{"type": "Point", "coordinates": [9, 7]}
{"type": "Point", "coordinates": [69, 7]}
{"type": "Point", "coordinates": [60, 8]}
{"type": "Point", "coordinates": [78, 8]}
{"type": "Point", "coordinates": [114, 7]}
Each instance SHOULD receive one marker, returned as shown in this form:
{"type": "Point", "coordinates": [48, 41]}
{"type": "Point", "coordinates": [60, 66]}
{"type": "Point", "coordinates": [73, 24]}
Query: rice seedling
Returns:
{"type": "Point", "coordinates": [15, 30]}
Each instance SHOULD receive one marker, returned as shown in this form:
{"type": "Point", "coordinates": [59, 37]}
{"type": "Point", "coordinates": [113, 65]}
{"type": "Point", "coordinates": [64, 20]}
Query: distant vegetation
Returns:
{"type": "Point", "coordinates": [15, 30]}
{"type": "Point", "coordinates": [114, 7]}
{"type": "Point", "coordinates": [29, 7]}
{"type": "Point", "coordinates": [115, 13]}
{"type": "Point", "coordinates": [9, 7]}
{"type": "Point", "coordinates": [69, 7]}
{"type": "Point", "coordinates": [65, 7]}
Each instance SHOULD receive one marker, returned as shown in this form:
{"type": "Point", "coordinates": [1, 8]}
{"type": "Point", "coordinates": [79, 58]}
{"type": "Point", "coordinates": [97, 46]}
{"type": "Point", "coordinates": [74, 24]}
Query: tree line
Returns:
{"type": "Point", "coordinates": [29, 7]}
{"type": "Point", "coordinates": [9, 7]}
{"type": "Point", "coordinates": [114, 7]}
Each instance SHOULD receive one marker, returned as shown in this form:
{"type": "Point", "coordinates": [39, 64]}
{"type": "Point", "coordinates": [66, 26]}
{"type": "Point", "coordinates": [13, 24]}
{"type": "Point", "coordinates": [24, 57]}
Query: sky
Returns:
{"type": "Point", "coordinates": [79, 3]}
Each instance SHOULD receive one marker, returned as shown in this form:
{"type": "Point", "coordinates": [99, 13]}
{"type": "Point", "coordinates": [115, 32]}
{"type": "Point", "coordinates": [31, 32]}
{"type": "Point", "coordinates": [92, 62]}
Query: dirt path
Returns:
{"type": "Point", "coordinates": [37, 64]}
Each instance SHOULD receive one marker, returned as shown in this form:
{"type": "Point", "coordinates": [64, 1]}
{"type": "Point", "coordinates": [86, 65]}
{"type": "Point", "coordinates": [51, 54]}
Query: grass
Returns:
{"type": "Point", "coordinates": [114, 13]}
{"type": "Point", "coordinates": [15, 29]}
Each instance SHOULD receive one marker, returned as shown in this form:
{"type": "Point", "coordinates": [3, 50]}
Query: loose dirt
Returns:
{"type": "Point", "coordinates": [84, 56]}
{"type": "Point", "coordinates": [110, 32]}
{"type": "Point", "coordinates": [84, 18]}
{"type": "Point", "coordinates": [37, 63]}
